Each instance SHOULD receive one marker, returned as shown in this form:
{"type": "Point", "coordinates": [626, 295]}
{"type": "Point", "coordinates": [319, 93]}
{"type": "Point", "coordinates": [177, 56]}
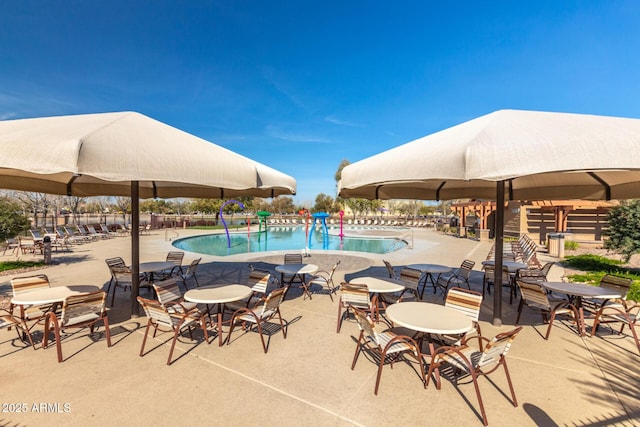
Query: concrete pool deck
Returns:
{"type": "Point", "coordinates": [305, 379]}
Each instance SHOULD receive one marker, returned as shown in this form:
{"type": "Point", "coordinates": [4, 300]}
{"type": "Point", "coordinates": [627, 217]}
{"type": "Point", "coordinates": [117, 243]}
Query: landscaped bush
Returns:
{"type": "Point", "coordinates": [570, 245]}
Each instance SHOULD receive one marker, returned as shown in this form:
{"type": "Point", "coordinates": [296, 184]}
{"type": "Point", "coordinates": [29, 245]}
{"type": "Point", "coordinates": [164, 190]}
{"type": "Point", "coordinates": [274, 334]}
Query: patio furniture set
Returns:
{"type": "Point", "coordinates": [440, 335]}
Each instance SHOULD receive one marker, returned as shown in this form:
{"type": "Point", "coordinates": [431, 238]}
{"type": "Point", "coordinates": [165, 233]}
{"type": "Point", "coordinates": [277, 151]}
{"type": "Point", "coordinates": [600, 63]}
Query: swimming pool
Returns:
{"type": "Point", "coordinates": [377, 241]}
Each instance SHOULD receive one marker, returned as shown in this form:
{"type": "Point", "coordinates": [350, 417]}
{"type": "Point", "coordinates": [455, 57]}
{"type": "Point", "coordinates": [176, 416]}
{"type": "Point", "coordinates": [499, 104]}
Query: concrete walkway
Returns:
{"type": "Point", "coordinates": [305, 379]}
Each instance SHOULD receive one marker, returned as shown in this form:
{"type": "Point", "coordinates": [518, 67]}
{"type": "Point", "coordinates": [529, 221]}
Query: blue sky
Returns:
{"type": "Point", "coordinates": [302, 85]}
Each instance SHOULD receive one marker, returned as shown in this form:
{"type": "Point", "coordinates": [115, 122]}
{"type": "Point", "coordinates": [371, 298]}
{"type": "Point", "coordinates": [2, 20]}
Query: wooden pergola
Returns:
{"type": "Point", "coordinates": [560, 208]}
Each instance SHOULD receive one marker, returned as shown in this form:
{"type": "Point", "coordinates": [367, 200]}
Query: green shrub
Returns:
{"type": "Point", "coordinates": [13, 265]}
{"type": "Point", "coordinates": [570, 245]}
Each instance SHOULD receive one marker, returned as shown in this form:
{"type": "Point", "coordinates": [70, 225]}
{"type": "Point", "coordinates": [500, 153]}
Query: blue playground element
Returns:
{"type": "Point", "coordinates": [222, 218]}
{"type": "Point", "coordinates": [322, 216]}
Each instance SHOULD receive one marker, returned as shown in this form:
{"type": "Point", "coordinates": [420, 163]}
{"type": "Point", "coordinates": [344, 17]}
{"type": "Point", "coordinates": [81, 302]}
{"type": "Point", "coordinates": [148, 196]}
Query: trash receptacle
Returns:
{"type": "Point", "coordinates": [555, 244]}
{"type": "Point", "coordinates": [46, 249]}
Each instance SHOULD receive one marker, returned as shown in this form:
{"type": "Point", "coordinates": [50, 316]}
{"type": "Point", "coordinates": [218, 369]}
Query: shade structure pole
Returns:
{"type": "Point", "coordinates": [135, 248]}
{"type": "Point", "coordinates": [499, 245]}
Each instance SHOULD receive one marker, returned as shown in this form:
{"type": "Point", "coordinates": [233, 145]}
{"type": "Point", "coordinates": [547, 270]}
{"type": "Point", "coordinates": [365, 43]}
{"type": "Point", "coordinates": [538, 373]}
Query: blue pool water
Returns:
{"type": "Point", "coordinates": [289, 238]}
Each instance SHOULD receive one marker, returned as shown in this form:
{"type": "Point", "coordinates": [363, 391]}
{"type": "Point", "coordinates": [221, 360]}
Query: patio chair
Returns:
{"type": "Point", "coordinates": [190, 273]}
{"type": "Point", "coordinates": [535, 297]}
{"type": "Point", "coordinates": [121, 277]}
{"type": "Point", "coordinates": [176, 258]}
{"type": "Point", "coordinates": [489, 280]}
{"type": "Point", "coordinates": [324, 279]}
{"type": "Point", "coordinates": [619, 310]}
{"type": "Point", "coordinates": [102, 228]}
{"type": "Point", "coordinates": [471, 361]}
{"type": "Point", "coordinates": [260, 316]}
{"type": "Point", "coordinates": [456, 278]}
{"type": "Point", "coordinates": [410, 278]}
{"type": "Point", "coordinates": [385, 345]}
{"type": "Point", "coordinates": [78, 311]}
{"type": "Point", "coordinates": [259, 281]}
{"type": "Point", "coordinates": [468, 303]}
{"type": "Point", "coordinates": [159, 317]}
{"type": "Point", "coordinates": [353, 295]}
{"type": "Point", "coordinates": [95, 234]}
{"type": "Point", "coordinates": [168, 293]}
{"type": "Point", "coordinates": [29, 315]}
{"type": "Point", "coordinates": [76, 236]}
{"type": "Point", "coordinates": [13, 244]}
{"type": "Point", "coordinates": [289, 279]}
{"type": "Point", "coordinates": [8, 320]}
{"type": "Point", "coordinates": [390, 270]}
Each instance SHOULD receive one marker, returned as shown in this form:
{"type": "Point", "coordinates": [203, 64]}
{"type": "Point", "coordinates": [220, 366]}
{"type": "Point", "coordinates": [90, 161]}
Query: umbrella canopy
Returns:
{"type": "Point", "coordinates": [100, 154]}
{"type": "Point", "coordinates": [519, 155]}
{"type": "Point", "coordinates": [126, 154]}
{"type": "Point", "coordinates": [539, 155]}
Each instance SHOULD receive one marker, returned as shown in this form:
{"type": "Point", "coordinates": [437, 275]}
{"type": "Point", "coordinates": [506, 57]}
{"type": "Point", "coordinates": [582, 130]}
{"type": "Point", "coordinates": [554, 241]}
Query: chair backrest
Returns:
{"type": "Point", "coordinates": [531, 275]}
{"type": "Point", "coordinates": [616, 283]}
{"type": "Point", "coordinates": [29, 283]}
{"type": "Point", "coordinates": [365, 324]}
{"type": "Point", "coordinates": [390, 270]}
{"type": "Point", "coordinates": [333, 270]}
{"type": "Point", "coordinates": [82, 308]}
{"type": "Point", "coordinates": [36, 234]}
{"type": "Point", "coordinates": [293, 258]}
{"type": "Point", "coordinates": [354, 293]}
{"type": "Point", "coordinates": [533, 293]}
{"type": "Point", "coordinates": [410, 277]}
{"type": "Point", "coordinates": [497, 348]}
{"type": "Point", "coordinates": [465, 301]}
{"type": "Point", "coordinates": [273, 300]}
{"type": "Point", "coordinates": [191, 270]}
{"type": "Point", "coordinates": [547, 267]}
{"type": "Point", "coordinates": [490, 274]}
{"type": "Point", "coordinates": [465, 268]}
{"type": "Point", "coordinates": [259, 280]}
{"type": "Point", "coordinates": [175, 257]}
{"type": "Point", "coordinates": [156, 312]}
{"type": "Point", "coordinates": [167, 291]}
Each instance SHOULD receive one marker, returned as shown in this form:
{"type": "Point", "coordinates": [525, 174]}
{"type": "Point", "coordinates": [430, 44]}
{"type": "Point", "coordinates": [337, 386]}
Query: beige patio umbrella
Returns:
{"type": "Point", "coordinates": [525, 155]}
{"type": "Point", "coordinates": [126, 154]}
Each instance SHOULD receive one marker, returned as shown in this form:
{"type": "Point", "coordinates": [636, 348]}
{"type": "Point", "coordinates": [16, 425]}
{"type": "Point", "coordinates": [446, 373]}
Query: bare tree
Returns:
{"type": "Point", "coordinates": [74, 203]}
{"type": "Point", "coordinates": [36, 202]}
{"type": "Point", "coordinates": [124, 205]}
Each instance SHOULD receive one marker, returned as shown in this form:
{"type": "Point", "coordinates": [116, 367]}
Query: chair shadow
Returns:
{"type": "Point", "coordinates": [269, 328]}
{"type": "Point", "coordinates": [539, 416]}
{"type": "Point", "coordinates": [197, 340]}
{"type": "Point", "coordinates": [374, 358]}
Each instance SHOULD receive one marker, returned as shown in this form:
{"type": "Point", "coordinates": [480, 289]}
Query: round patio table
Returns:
{"type": "Point", "coordinates": [155, 266]}
{"type": "Point", "coordinates": [429, 270]}
{"type": "Point", "coordinates": [378, 286]}
{"type": "Point", "coordinates": [218, 295]}
{"type": "Point", "coordinates": [513, 266]}
{"type": "Point", "coordinates": [579, 291]}
{"type": "Point", "coordinates": [429, 319]}
{"type": "Point", "coordinates": [297, 270]}
{"type": "Point", "coordinates": [56, 294]}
